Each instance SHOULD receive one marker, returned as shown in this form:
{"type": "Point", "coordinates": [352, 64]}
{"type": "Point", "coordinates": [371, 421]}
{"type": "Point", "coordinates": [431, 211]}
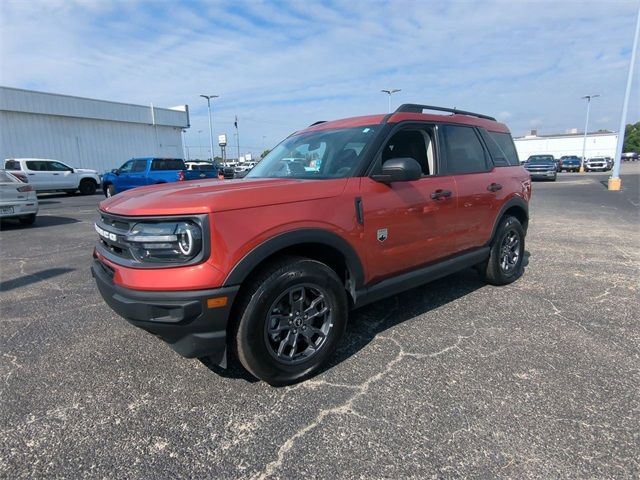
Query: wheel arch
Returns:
{"type": "Point", "coordinates": [321, 245]}
{"type": "Point", "coordinates": [516, 207]}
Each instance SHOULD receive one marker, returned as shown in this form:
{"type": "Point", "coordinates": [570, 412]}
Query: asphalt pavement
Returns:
{"type": "Point", "coordinates": [537, 379]}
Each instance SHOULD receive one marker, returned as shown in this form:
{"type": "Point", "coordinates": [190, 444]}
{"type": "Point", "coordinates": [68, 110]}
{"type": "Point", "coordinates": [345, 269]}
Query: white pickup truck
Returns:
{"type": "Point", "coordinates": [48, 175]}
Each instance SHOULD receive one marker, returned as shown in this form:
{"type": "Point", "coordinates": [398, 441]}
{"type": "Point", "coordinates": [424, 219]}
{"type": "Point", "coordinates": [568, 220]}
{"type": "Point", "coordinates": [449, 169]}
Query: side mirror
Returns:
{"type": "Point", "coordinates": [72, 170]}
{"type": "Point", "coordinates": [403, 169]}
{"type": "Point", "coordinates": [115, 171]}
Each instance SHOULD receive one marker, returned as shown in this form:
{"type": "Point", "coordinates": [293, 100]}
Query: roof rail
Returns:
{"type": "Point", "coordinates": [416, 108]}
{"type": "Point", "coordinates": [318, 122]}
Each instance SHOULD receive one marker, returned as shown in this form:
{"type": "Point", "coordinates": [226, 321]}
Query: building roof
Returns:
{"type": "Point", "coordinates": [599, 133]}
{"type": "Point", "coordinates": [42, 103]}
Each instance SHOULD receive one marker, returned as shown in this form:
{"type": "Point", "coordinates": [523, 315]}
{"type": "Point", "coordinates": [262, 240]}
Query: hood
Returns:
{"type": "Point", "coordinates": [205, 196]}
{"type": "Point", "coordinates": [86, 170]}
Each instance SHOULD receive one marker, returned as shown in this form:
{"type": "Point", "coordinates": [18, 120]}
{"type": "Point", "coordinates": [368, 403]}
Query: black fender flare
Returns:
{"type": "Point", "coordinates": [289, 239]}
{"type": "Point", "coordinates": [512, 202]}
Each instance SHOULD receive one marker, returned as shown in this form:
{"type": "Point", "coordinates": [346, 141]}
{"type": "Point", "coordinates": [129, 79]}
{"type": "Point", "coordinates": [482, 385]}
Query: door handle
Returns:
{"type": "Point", "coordinates": [31, 174]}
{"type": "Point", "coordinates": [494, 187]}
{"type": "Point", "coordinates": [441, 194]}
{"type": "Point", "coordinates": [56, 174]}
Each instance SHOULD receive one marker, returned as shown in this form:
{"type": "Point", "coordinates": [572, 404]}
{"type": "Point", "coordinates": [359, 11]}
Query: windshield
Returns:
{"type": "Point", "coordinates": [316, 155]}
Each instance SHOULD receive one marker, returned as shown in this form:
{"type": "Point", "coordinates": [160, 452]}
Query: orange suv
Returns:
{"type": "Point", "coordinates": [338, 215]}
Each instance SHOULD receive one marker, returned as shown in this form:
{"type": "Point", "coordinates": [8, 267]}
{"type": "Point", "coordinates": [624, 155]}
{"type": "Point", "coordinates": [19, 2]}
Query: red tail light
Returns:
{"type": "Point", "coordinates": [180, 176]}
{"type": "Point", "coordinates": [26, 188]}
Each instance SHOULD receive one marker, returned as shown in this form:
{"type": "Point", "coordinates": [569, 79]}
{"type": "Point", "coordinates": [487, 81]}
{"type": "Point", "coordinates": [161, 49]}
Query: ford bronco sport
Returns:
{"type": "Point", "coordinates": [338, 215]}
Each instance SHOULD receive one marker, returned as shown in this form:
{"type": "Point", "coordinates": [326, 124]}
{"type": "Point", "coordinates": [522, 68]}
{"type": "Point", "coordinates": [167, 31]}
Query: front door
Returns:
{"type": "Point", "coordinates": [408, 224]}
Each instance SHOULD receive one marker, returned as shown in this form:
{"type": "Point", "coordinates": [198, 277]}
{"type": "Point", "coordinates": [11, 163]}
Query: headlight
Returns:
{"type": "Point", "coordinates": [170, 242]}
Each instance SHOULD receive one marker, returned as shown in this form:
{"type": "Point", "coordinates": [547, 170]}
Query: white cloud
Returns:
{"type": "Point", "coordinates": [280, 66]}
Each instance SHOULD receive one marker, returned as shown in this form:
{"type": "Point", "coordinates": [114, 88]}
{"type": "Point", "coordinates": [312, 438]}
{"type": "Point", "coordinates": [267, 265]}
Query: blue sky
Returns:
{"type": "Point", "coordinates": [280, 66]}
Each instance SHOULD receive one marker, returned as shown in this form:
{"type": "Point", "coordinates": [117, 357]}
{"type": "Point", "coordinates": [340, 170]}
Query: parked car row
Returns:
{"type": "Point", "coordinates": [568, 163]}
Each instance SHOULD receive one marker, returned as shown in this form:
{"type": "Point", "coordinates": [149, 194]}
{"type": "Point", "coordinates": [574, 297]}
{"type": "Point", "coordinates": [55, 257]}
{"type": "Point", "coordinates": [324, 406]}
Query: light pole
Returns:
{"type": "Point", "coordinates": [614, 182]}
{"type": "Point", "coordinates": [390, 92]}
{"type": "Point", "coordinates": [586, 126]}
{"type": "Point", "coordinates": [209, 97]}
{"type": "Point", "coordinates": [199, 142]}
{"type": "Point", "coordinates": [185, 149]}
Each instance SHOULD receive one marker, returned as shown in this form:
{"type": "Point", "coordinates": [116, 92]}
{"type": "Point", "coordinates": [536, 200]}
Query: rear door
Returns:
{"type": "Point", "coordinates": [408, 224]}
{"type": "Point", "coordinates": [465, 158]}
{"type": "Point", "coordinates": [39, 175]}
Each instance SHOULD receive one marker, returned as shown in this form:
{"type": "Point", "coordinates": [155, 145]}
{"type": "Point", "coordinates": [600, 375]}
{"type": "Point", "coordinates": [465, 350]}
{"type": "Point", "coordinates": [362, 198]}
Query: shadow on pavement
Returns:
{"type": "Point", "coordinates": [33, 278]}
{"type": "Point", "coordinates": [41, 221]}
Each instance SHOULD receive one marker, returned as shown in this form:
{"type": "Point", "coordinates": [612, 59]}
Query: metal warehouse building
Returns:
{"type": "Point", "coordinates": [599, 144]}
{"type": "Point", "coordinates": [84, 132]}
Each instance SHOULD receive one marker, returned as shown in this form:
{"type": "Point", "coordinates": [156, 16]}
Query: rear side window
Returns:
{"type": "Point", "coordinates": [167, 164]}
{"type": "Point", "coordinates": [12, 165]}
{"type": "Point", "coordinates": [463, 151]}
{"type": "Point", "coordinates": [505, 142]}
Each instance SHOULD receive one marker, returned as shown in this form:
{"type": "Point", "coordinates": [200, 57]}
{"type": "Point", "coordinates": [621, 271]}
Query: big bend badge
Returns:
{"type": "Point", "coordinates": [382, 234]}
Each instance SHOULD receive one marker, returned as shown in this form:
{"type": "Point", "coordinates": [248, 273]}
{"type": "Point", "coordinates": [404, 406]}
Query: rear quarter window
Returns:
{"type": "Point", "coordinates": [12, 165]}
{"type": "Point", "coordinates": [505, 142]}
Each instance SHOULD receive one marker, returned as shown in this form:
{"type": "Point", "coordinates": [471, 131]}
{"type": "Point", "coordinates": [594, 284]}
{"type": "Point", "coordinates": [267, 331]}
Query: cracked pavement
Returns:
{"type": "Point", "coordinates": [540, 378]}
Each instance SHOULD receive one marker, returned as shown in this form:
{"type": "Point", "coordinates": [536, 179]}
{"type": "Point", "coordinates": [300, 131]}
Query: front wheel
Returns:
{"type": "Point", "coordinates": [110, 191]}
{"type": "Point", "coordinates": [88, 187]}
{"type": "Point", "coordinates": [507, 253]}
{"type": "Point", "coordinates": [291, 320]}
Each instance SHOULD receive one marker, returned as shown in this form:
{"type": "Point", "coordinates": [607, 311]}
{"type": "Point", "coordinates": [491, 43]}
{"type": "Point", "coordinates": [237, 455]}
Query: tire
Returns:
{"type": "Point", "coordinates": [495, 272]}
{"type": "Point", "coordinates": [28, 220]}
{"type": "Point", "coordinates": [109, 191]}
{"type": "Point", "coordinates": [268, 320]}
{"type": "Point", "coordinates": [70, 192]}
{"type": "Point", "coordinates": [88, 186]}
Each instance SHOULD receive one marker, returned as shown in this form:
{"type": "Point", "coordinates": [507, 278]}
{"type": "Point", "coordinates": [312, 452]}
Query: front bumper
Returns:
{"type": "Point", "coordinates": [182, 319]}
{"type": "Point", "coordinates": [543, 174]}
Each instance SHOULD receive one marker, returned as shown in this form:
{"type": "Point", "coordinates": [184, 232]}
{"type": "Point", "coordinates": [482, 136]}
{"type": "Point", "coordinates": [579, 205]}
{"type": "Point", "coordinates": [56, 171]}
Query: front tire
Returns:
{"type": "Point", "coordinates": [292, 318]}
{"type": "Point", "coordinates": [110, 191]}
{"type": "Point", "coordinates": [88, 187]}
{"type": "Point", "coordinates": [507, 253]}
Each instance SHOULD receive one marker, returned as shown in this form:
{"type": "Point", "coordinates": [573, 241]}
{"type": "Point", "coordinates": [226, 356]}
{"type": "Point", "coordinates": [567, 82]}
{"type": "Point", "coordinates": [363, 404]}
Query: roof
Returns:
{"type": "Point", "coordinates": [397, 117]}
{"type": "Point", "coordinates": [30, 101]}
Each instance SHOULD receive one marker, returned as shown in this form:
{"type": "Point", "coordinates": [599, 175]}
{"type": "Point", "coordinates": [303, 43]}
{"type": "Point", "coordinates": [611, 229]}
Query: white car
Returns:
{"type": "Point", "coordinates": [244, 167]}
{"type": "Point", "coordinates": [17, 199]}
{"type": "Point", "coordinates": [597, 164]}
{"type": "Point", "coordinates": [47, 175]}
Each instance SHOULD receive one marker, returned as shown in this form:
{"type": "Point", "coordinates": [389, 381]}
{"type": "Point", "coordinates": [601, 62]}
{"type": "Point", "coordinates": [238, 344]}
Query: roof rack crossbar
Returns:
{"type": "Point", "coordinates": [416, 108]}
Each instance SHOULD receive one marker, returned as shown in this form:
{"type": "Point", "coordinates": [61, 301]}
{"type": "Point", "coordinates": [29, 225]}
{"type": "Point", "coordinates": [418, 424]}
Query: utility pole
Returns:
{"type": "Point", "coordinates": [237, 137]}
{"type": "Point", "coordinates": [209, 97]}
{"type": "Point", "coordinates": [615, 182]}
{"type": "Point", "coordinates": [390, 92]}
{"type": "Point", "coordinates": [586, 126]}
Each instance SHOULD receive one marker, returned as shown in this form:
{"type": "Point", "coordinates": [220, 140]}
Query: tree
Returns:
{"type": "Point", "coordinates": [265, 153]}
{"type": "Point", "coordinates": [632, 138]}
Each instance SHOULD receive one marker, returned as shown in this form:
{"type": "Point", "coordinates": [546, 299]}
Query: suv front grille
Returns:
{"type": "Point", "coordinates": [116, 229]}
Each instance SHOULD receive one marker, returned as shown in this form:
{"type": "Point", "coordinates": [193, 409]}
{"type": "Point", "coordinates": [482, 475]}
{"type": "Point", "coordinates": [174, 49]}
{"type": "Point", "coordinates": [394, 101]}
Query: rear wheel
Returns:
{"type": "Point", "coordinates": [28, 220]}
{"type": "Point", "coordinates": [88, 186]}
{"type": "Point", "coordinates": [292, 317]}
{"type": "Point", "coordinates": [507, 253]}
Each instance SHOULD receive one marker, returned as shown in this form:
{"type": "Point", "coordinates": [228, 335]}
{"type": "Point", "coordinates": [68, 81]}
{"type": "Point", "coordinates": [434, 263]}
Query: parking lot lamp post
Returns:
{"type": "Point", "coordinates": [209, 97]}
{"type": "Point", "coordinates": [586, 126]}
{"type": "Point", "coordinates": [614, 182]}
{"type": "Point", "coordinates": [390, 92]}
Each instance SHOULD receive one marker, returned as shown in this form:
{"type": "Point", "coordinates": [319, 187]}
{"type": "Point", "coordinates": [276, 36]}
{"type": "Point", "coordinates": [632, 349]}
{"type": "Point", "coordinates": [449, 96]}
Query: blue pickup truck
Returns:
{"type": "Point", "coordinates": [138, 172]}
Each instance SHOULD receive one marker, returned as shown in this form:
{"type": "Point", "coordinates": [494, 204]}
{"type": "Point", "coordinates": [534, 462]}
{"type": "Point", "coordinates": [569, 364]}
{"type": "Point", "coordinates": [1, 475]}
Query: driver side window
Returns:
{"type": "Point", "coordinates": [416, 143]}
{"type": "Point", "coordinates": [126, 168]}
